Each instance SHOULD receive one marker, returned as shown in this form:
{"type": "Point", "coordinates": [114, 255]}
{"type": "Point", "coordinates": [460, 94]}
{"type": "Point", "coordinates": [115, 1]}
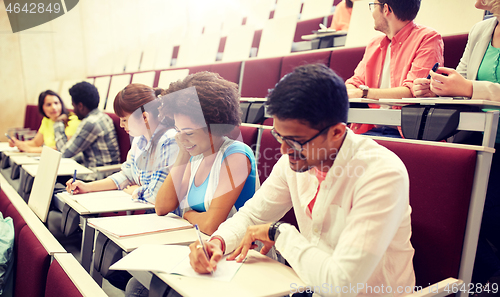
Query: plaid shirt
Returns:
{"type": "Point", "coordinates": [148, 164]}
{"type": "Point", "coordinates": [95, 137]}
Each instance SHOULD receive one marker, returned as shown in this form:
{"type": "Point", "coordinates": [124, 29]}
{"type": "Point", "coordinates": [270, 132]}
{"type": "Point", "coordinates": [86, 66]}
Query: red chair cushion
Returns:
{"type": "Point", "coordinates": [58, 282]}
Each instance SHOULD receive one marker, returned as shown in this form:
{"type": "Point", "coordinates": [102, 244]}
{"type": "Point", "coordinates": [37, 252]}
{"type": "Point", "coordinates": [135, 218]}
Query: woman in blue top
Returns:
{"type": "Point", "coordinates": [213, 175]}
{"type": "Point", "coordinates": [478, 77]}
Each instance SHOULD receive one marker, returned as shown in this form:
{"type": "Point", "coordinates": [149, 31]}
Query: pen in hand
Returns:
{"type": "Point", "coordinates": [434, 68]}
{"type": "Point", "coordinates": [202, 245]}
{"type": "Point", "coordinates": [74, 179]}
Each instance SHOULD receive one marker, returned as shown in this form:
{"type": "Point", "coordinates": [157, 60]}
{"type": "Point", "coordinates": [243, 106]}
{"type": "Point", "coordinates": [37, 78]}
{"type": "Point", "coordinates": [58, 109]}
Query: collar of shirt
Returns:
{"type": "Point", "coordinates": [400, 37]}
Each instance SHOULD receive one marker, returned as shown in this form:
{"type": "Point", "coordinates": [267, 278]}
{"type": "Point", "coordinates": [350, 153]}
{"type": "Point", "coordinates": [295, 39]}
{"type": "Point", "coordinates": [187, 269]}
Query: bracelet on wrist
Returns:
{"type": "Point", "coordinates": [222, 243]}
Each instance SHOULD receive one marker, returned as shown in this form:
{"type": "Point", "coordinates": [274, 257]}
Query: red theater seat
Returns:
{"type": "Point", "coordinates": [290, 62]}
{"type": "Point", "coordinates": [58, 282]}
{"type": "Point", "coordinates": [306, 27]}
{"type": "Point", "coordinates": [454, 47]}
{"type": "Point", "coordinates": [344, 61]}
{"type": "Point", "coordinates": [228, 71]}
{"type": "Point", "coordinates": [259, 76]}
{"type": "Point", "coordinates": [123, 137]}
{"type": "Point", "coordinates": [440, 190]}
{"type": "Point", "coordinates": [32, 265]}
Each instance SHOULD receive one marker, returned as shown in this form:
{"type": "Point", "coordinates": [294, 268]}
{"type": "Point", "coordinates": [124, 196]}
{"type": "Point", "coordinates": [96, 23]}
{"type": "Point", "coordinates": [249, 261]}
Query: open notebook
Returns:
{"type": "Point", "coordinates": [173, 259]}
{"type": "Point", "coordinates": [138, 224]}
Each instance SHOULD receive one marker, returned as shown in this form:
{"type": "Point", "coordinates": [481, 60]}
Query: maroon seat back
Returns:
{"type": "Point", "coordinates": [440, 190]}
{"type": "Point", "coordinates": [228, 71]}
{"type": "Point", "coordinates": [123, 137]}
{"type": "Point", "coordinates": [306, 27]}
{"type": "Point", "coordinates": [32, 265]}
{"type": "Point", "coordinates": [249, 135]}
{"type": "Point", "coordinates": [290, 62]}
{"type": "Point", "coordinates": [259, 76]}
{"type": "Point", "coordinates": [58, 282]}
{"type": "Point", "coordinates": [344, 61]}
{"type": "Point", "coordinates": [269, 154]}
{"type": "Point", "coordinates": [32, 118]}
{"type": "Point", "coordinates": [18, 221]}
{"type": "Point", "coordinates": [196, 69]}
{"type": "Point", "coordinates": [454, 46]}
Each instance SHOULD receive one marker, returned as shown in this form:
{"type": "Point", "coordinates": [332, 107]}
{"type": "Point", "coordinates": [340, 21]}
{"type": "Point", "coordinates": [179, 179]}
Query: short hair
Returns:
{"type": "Point", "coordinates": [41, 101]}
{"type": "Point", "coordinates": [313, 94]}
{"type": "Point", "coordinates": [495, 6]}
{"type": "Point", "coordinates": [85, 93]}
{"type": "Point", "coordinates": [405, 10]}
{"type": "Point", "coordinates": [217, 97]}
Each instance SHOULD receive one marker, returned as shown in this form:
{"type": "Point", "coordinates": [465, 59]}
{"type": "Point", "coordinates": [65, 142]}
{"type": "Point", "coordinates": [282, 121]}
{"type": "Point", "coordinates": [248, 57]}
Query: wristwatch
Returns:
{"type": "Point", "coordinates": [274, 232]}
{"type": "Point", "coordinates": [364, 89]}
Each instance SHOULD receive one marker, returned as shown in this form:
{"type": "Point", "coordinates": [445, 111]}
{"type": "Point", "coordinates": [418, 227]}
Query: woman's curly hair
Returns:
{"type": "Point", "coordinates": [217, 97]}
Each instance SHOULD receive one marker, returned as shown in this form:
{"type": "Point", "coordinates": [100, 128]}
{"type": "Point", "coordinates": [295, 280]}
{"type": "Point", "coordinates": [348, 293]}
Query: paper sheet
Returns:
{"type": "Point", "coordinates": [172, 259]}
{"type": "Point", "coordinates": [138, 224]}
{"type": "Point", "coordinates": [106, 201]}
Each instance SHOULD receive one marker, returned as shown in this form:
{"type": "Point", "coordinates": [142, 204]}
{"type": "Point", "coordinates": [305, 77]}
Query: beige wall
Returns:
{"type": "Point", "coordinates": [103, 37]}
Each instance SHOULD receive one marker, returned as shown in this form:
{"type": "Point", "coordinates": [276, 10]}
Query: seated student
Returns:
{"type": "Point", "coordinates": [95, 137]}
{"type": "Point", "coordinates": [153, 150]}
{"type": "Point", "coordinates": [392, 61]}
{"type": "Point", "coordinates": [349, 194]}
{"type": "Point", "coordinates": [212, 173]}
{"type": "Point", "coordinates": [51, 106]}
{"type": "Point", "coordinates": [342, 16]}
{"type": "Point", "coordinates": [477, 77]}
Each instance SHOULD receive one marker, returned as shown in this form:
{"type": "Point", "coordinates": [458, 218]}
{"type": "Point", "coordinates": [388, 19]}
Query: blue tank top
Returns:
{"type": "Point", "coordinates": [196, 196]}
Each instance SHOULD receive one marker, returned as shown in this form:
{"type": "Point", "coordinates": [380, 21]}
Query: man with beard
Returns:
{"type": "Point", "coordinates": [393, 61]}
{"type": "Point", "coordinates": [350, 196]}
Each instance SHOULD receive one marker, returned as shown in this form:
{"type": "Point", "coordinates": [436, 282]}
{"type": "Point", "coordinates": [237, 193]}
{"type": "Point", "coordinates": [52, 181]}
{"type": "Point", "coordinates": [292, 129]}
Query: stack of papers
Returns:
{"type": "Point", "coordinates": [138, 224]}
{"type": "Point", "coordinates": [172, 259]}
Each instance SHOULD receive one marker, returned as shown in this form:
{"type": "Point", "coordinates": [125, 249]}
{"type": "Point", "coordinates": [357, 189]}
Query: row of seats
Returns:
{"type": "Point", "coordinates": [42, 268]}
{"type": "Point", "coordinates": [441, 180]}
{"type": "Point", "coordinates": [256, 76]}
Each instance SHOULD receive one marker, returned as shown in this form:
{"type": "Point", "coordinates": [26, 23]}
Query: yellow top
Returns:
{"type": "Point", "coordinates": [47, 129]}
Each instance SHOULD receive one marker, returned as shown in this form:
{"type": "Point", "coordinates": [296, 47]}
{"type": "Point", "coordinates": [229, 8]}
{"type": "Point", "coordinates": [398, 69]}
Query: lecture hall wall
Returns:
{"type": "Point", "coordinates": [105, 37]}
{"type": "Point", "coordinates": [95, 38]}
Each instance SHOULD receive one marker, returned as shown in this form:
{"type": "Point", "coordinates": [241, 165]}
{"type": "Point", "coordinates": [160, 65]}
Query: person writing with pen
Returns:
{"type": "Point", "coordinates": [350, 195]}
{"type": "Point", "coordinates": [213, 175]}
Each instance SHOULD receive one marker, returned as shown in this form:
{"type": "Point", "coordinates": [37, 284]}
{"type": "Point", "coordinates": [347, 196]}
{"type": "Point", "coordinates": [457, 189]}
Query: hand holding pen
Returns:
{"type": "Point", "coordinates": [204, 255]}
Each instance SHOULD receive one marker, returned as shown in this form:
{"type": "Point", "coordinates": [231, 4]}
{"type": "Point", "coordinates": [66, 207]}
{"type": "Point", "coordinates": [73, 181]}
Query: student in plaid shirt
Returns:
{"type": "Point", "coordinates": [153, 150]}
{"type": "Point", "coordinates": [95, 137]}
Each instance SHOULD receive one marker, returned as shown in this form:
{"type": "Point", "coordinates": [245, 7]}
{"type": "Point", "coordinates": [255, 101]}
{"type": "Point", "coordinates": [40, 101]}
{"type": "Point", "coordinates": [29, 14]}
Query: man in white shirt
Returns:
{"type": "Point", "coordinates": [350, 197]}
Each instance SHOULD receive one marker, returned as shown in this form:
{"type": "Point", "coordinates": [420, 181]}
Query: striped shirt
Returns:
{"type": "Point", "coordinates": [148, 164]}
{"type": "Point", "coordinates": [95, 137]}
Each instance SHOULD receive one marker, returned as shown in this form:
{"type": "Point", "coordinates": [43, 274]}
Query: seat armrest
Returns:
{"type": "Point", "coordinates": [445, 287]}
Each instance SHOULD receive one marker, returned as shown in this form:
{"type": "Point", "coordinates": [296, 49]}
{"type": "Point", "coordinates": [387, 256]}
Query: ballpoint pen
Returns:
{"type": "Point", "coordinates": [74, 179]}
{"type": "Point", "coordinates": [202, 245]}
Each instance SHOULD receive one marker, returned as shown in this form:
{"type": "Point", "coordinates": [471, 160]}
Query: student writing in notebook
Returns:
{"type": "Point", "coordinates": [213, 175]}
{"type": "Point", "coordinates": [51, 106]}
{"type": "Point", "coordinates": [153, 149]}
{"type": "Point", "coordinates": [349, 194]}
{"type": "Point", "coordinates": [477, 77]}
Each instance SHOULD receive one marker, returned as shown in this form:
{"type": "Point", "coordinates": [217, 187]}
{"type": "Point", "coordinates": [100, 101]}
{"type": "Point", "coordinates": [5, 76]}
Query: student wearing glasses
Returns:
{"type": "Point", "coordinates": [393, 61]}
{"type": "Point", "coordinates": [350, 195]}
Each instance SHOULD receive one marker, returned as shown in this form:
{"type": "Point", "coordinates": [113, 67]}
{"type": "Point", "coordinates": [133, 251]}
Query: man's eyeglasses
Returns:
{"type": "Point", "coordinates": [294, 144]}
{"type": "Point", "coordinates": [371, 5]}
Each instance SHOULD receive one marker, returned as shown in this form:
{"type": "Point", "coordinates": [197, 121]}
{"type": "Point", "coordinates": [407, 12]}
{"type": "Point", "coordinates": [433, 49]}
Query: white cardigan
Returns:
{"type": "Point", "coordinates": [479, 39]}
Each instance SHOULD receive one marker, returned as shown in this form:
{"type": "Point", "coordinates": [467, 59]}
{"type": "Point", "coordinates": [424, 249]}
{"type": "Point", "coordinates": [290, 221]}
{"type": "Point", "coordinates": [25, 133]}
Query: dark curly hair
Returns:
{"type": "Point", "coordinates": [41, 101]}
{"type": "Point", "coordinates": [217, 97]}
{"type": "Point", "coordinates": [85, 93]}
